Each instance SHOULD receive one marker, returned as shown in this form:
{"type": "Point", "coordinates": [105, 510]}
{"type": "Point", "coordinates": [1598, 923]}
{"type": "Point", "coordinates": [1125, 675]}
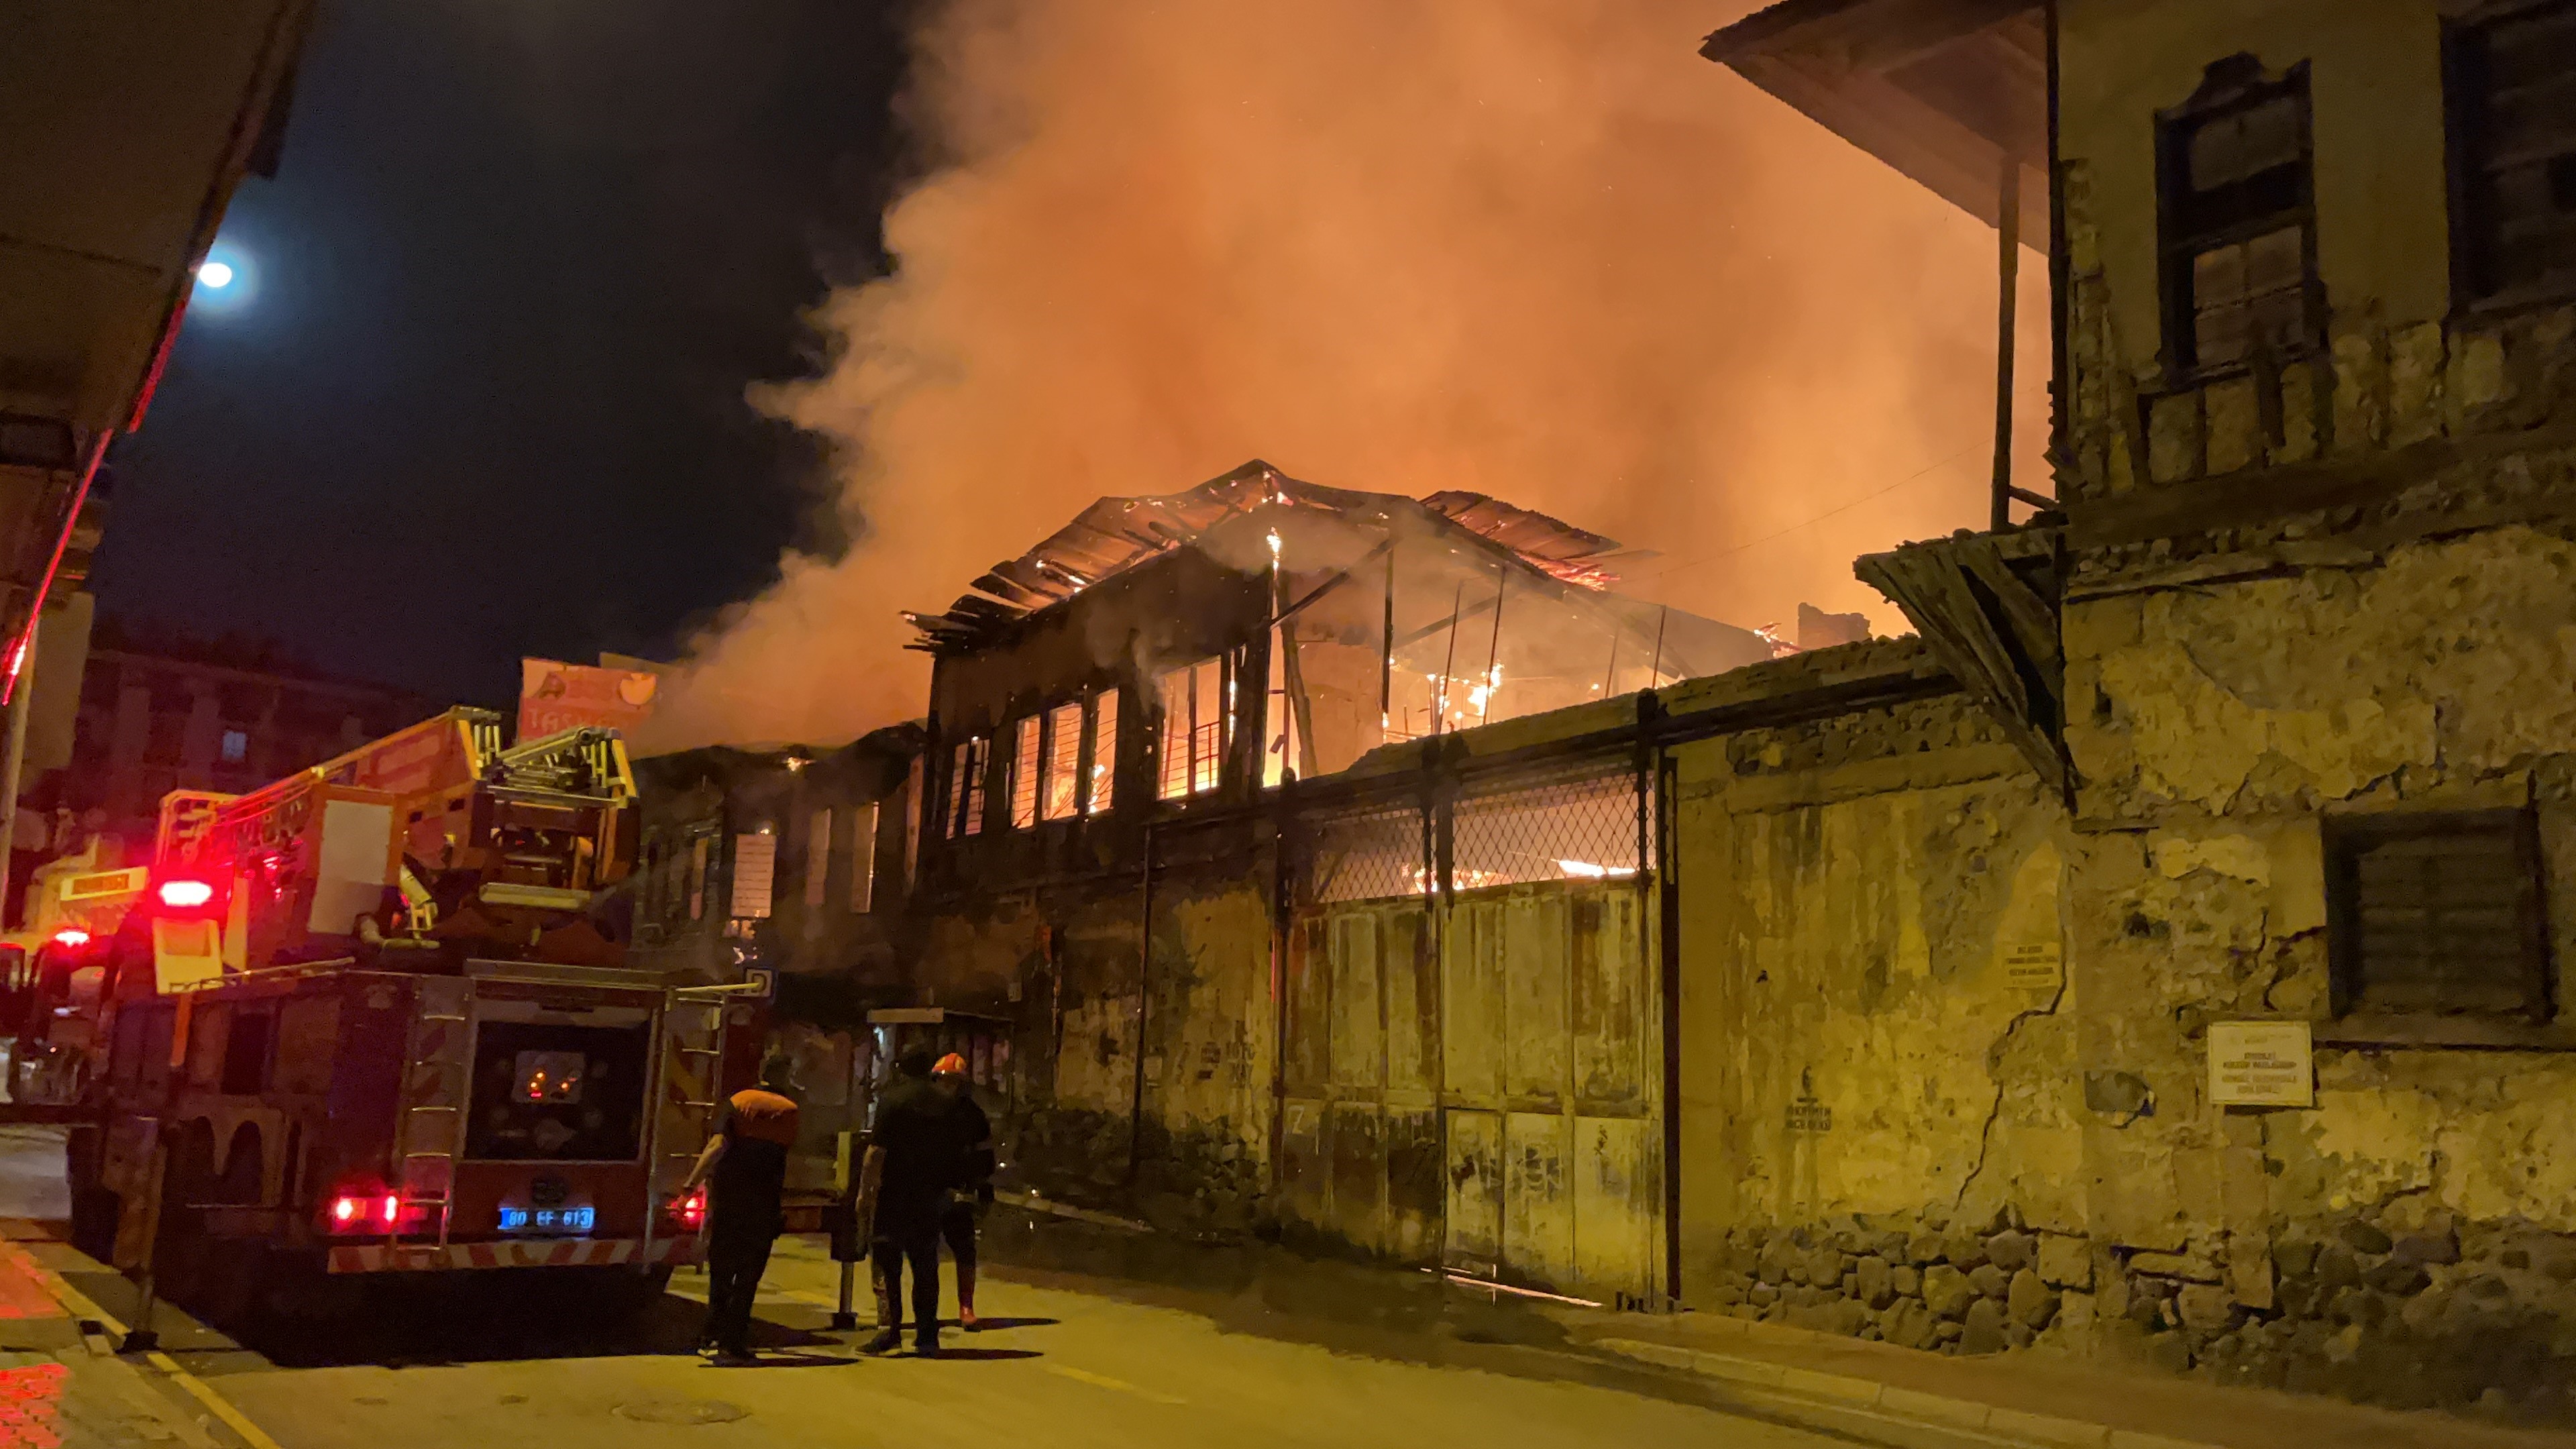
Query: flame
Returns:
{"type": "Point", "coordinates": [1590, 870]}
{"type": "Point", "coordinates": [1781, 646]}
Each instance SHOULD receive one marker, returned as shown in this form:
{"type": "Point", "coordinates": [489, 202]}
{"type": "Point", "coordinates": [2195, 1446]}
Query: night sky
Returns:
{"type": "Point", "coordinates": [479, 392]}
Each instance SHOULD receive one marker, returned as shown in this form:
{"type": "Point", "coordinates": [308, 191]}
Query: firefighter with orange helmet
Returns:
{"type": "Point", "coordinates": [967, 1201]}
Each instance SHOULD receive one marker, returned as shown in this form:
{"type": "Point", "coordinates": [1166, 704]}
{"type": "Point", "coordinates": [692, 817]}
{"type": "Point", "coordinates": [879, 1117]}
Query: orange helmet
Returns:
{"type": "Point", "coordinates": [951, 1065]}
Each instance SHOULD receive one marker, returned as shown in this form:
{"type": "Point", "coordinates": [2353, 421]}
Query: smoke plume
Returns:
{"type": "Point", "coordinates": [1536, 248]}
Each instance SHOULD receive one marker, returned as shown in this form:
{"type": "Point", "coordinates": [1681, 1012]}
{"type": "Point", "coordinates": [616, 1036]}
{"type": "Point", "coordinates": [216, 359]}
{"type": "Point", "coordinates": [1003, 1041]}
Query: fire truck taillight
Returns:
{"type": "Point", "coordinates": [185, 895]}
{"type": "Point", "coordinates": [690, 1212]}
{"type": "Point", "coordinates": [368, 1214]}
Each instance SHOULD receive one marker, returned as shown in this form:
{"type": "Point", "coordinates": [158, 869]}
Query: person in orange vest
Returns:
{"type": "Point", "coordinates": [745, 1166]}
{"type": "Point", "coordinates": [972, 1191]}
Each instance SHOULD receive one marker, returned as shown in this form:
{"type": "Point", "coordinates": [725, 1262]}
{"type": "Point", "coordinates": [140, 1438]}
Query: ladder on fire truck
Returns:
{"type": "Point", "coordinates": [688, 1088]}
{"type": "Point", "coordinates": [431, 1134]}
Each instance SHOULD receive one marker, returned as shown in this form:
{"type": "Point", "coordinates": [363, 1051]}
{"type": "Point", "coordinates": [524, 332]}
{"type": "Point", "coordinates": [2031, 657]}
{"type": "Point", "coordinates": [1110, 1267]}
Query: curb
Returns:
{"type": "Point", "coordinates": [85, 1312]}
{"type": "Point", "coordinates": [1031, 1202]}
{"type": "Point", "coordinates": [1870, 1409]}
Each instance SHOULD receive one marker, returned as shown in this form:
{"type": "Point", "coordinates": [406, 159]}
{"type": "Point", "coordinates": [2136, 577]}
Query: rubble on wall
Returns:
{"type": "Point", "coordinates": [1947, 723]}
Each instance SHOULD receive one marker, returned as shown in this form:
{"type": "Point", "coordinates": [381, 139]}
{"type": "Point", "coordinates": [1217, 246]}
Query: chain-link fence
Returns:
{"type": "Point", "coordinates": [1580, 828]}
{"type": "Point", "coordinates": [1372, 855]}
{"type": "Point", "coordinates": [1574, 824]}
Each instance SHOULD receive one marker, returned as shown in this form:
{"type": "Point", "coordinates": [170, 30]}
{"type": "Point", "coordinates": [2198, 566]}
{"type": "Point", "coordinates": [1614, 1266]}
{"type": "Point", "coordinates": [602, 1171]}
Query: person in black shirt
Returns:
{"type": "Point", "coordinates": [745, 1166]}
{"type": "Point", "coordinates": [914, 1157]}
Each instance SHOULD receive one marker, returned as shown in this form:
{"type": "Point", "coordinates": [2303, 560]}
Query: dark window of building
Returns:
{"type": "Point", "coordinates": [165, 743]}
{"type": "Point", "coordinates": [2437, 914]}
{"type": "Point", "coordinates": [2512, 87]}
{"type": "Point", "coordinates": [2237, 218]}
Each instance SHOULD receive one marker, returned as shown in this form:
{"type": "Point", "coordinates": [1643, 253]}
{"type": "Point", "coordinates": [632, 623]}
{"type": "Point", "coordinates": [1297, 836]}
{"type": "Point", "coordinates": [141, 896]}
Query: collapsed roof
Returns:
{"type": "Point", "coordinates": [1116, 534]}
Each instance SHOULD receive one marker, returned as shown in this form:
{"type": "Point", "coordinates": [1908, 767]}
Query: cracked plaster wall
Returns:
{"type": "Point", "coordinates": [1859, 1062]}
{"type": "Point", "coordinates": [2397, 1241]}
{"type": "Point", "coordinates": [2439, 663]}
{"type": "Point", "coordinates": [1203, 1157]}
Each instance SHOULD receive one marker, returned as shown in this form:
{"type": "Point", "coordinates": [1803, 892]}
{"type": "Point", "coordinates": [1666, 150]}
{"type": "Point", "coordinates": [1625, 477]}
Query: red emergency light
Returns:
{"type": "Point", "coordinates": [71, 936]}
{"type": "Point", "coordinates": [367, 1213]}
{"type": "Point", "coordinates": [181, 893]}
{"type": "Point", "coordinates": [690, 1212]}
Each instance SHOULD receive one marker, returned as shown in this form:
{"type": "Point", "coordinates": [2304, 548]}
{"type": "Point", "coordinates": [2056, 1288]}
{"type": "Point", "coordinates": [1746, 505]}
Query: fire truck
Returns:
{"type": "Point", "coordinates": [50, 973]}
{"type": "Point", "coordinates": [372, 1020]}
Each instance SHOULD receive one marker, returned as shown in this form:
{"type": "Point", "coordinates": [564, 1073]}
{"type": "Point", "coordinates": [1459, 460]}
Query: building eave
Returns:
{"type": "Point", "coordinates": [1945, 91]}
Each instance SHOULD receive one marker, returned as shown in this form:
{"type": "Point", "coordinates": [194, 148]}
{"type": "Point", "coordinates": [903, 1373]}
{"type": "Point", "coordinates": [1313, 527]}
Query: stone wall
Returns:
{"type": "Point", "coordinates": [1936, 1281]}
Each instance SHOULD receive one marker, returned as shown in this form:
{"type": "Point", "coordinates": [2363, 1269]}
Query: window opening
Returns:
{"type": "Point", "coordinates": [2512, 92]}
{"type": "Point", "coordinates": [2237, 217]}
{"type": "Point", "coordinates": [863, 857]}
{"type": "Point", "coordinates": [1063, 783]}
{"type": "Point", "coordinates": [1026, 760]}
{"type": "Point", "coordinates": [2437, 914]}
{"type": "Point", "coordinates": [1194, 728]}
{"type": "Point", "coordinates": [1104, 753]}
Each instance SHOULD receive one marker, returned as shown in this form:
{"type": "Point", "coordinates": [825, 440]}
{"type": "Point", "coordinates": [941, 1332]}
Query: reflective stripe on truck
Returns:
{"type": "Point", "coordinates": [560, 1253]}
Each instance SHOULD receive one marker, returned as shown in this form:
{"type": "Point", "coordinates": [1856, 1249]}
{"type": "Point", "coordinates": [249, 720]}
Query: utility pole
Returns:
{"type": "Point", "coordinates": [2008, 274]}
{"type": "Point", "coordinates": [15, 762]}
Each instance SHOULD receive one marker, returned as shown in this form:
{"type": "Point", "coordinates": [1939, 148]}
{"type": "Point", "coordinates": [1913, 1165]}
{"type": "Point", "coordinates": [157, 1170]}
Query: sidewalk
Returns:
{"type": "Point", "coordinates": [1917, 1400]}
{"type": "Point", "coordinates": [62, 1385]}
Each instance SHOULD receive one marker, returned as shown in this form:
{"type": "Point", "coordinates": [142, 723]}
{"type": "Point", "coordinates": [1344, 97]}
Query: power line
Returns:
{"type": "Point", "coordinates": [1680, 565]}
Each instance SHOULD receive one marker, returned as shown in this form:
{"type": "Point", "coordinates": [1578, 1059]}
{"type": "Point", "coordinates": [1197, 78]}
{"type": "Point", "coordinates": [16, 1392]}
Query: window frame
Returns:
{"type": "Point", "coordinates": [1100, 731]}
{"type": "Point", "coordinates": [2346, 838]}
{"type": "Point", "coordinates": [1027, 766]}
{"type": "Point", "coordinates": [1198, 778]}
{"type": "Point", "coordinates": [963, 802]}
{"type": "Point", "coordinates": [2232, 86]}
{"type": "Point", "coordinates": [864, 823]}
{"type": "Point", "coordinates": [2471, 229]}
{"type": "Point", "coordinates": [1060, 760]}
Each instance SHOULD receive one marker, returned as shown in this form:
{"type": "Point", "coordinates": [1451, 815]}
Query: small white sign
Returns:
{"type": "Point", "coordinates": [2035, 965]}
{"type": "Point", "coordinates": [2262, 1064]}
{"type": "Point", "coordinates": [762, 980]}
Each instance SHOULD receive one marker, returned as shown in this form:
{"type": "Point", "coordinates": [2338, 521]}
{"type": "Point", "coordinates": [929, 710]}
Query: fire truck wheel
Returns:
{"type": "Point", "coordinates": [94, 1214]}
{"type": "Point", "coordinates": [181, 1249]}
{"type": "Point", "coordinates": [228, 1280]}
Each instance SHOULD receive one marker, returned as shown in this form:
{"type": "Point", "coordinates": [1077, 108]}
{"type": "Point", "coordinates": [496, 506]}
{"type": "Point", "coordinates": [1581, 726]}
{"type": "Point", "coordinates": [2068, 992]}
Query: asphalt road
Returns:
{"type": "Point", "coordinates": [1070, 1362]}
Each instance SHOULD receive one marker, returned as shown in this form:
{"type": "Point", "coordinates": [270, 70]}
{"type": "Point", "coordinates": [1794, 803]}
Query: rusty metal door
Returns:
{"type": "Point", "coordinates": [1360, 1121]}
{"type": "Point", "coordinates": [1554, 1160]}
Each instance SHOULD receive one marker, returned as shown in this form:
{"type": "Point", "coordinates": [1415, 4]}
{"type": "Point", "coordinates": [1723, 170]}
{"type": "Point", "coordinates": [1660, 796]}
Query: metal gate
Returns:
{"type": "Point", "coordinates": [1471, 1054]}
